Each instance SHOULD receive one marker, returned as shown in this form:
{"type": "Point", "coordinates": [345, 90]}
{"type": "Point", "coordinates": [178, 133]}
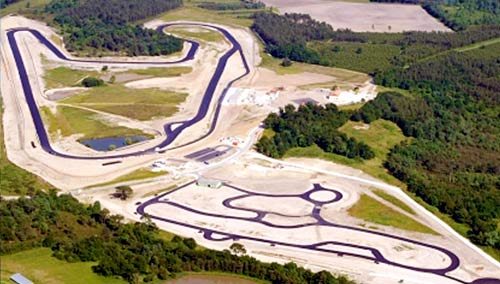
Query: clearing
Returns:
{"type": "Point", "coordinates": [364, 17]}
{"type": "Point", "coordinates": [381, 135]}
{"type": "Point", "coordinates": [141, 104]}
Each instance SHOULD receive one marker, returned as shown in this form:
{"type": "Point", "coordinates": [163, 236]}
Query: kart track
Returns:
{"type": "Point", "coordinates": [352, 250]}
{"type": "Point", "coordinates": [171, 134]}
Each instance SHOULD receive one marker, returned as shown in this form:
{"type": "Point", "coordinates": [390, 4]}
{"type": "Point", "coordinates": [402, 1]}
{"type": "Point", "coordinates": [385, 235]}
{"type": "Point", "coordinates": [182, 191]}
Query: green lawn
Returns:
{"type": "Point", "coordinates": [65, 77]}
{"type": "Point", "coordinates": [204, 34]}
{"type": "Point", "coordinates": [394, 200]}
{"type": "Point", "coordinates": [68, 121]}
{"type": "Point", "coordinates": [135, 175]}
{"type": "Point", "coordinates": [40, 267]}
{"type": "Point", "coordinates": [141, 104]}
{"type": "Point", "coordinates": [370, 210]}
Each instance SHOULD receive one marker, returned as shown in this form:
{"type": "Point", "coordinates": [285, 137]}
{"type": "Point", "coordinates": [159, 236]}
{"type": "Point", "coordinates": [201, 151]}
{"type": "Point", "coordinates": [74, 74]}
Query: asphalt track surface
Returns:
{"type": "Point", "coordinates": [171, 134]}
{"type": "Point", "coordinates": [378, 257]}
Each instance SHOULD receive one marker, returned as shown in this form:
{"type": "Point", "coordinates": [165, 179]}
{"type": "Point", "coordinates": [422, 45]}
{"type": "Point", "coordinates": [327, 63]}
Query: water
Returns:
{"type": "Point", "coordinates": [209, 279]}
{"type": "Point", "coordinates": [108, 144]}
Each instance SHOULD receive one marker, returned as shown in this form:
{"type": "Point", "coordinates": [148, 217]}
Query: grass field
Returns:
{"type": "Point", "coordinates": [370, 210]}
{"type": "Point", "coordinates": [65, 77]}
{"type": "Point", "coordinates": [347, 76]}
{"type": "Point", "coordinates": [68, 121]}
{"type": "Point", "coordinates": [40, 267]}
{"type": "Point", "coordinates": [205, 34]}
{"type": "Point", "coordinates": [135, 175]}
{"type": "Point", "coordinates": [160, 72]}
{"type": "Point", "coordinates": [394, 200]}
{"type": "Point", "coordinates": [192, 13]}
{"type": "Point", "coordinates": [141, 104]}
{"type": "Point", "coordinates": [381, 137]}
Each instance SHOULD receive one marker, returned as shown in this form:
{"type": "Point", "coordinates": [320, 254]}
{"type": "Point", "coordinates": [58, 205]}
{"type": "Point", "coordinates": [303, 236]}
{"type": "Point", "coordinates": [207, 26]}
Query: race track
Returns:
{"type": "Point", "coordinates": [171, 135]}
{"type": "Point", "coordinates": [371, 253]}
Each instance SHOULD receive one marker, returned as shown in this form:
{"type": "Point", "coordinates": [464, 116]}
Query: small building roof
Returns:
{"type": "Point", "coordinates": [20, 279]}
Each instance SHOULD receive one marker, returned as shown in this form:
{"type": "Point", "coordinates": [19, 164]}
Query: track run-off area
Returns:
{"type": "Point", "coordinates": [315, 198]}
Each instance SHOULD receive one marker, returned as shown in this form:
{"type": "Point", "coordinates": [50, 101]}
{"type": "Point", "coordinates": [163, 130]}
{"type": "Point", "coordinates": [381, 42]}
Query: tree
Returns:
{"type": "Point", "coordinates": [286, 62]}
{"type": "Point", "coordinates": [124, 191]}
{"type": "Point", "coordinates": [238, 248]}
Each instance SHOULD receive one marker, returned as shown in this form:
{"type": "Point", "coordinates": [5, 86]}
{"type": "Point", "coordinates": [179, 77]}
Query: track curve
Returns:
{"type": "Point", "coordinates": [171, 135]}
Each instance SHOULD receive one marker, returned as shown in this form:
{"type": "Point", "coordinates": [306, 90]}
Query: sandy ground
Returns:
{"type": "Point", "coordinates": [363, 17]}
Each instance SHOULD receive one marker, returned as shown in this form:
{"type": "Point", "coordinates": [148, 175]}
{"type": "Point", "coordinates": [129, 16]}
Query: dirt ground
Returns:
{"type": "Point", "coordinates": [363, 17]}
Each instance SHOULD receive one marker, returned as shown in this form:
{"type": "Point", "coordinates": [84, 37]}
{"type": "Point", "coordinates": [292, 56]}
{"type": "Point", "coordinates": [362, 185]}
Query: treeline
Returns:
{"type": "Point", "coordinates": [4, 3]}
{"type": "Point", "coordinates": [218, 6]}
{"type": "Point", "coordinates": [95, 26]}
{"type": "Point", "coordinates": [310, 124]}
{"type": "Point", "coordinates": [300, 38]}
{"type": "Point", "coordinates": [134, 251]}
{"type": "Point", "coordinates": [454, 162]}
{"type": "Point", "coordinates": [286, 36]}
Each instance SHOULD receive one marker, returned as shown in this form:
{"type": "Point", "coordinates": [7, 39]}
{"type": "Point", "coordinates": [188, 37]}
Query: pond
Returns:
{"type": "Point", "coordinates": [209, 279]}
{"type": "Point", "coordinates": [111, 143]}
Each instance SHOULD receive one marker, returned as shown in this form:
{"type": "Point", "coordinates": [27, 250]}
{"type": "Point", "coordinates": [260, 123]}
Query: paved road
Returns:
{"type": "Point", "coordinates": [171, 134]}
{"type": "Point", "coordinates": [378, 257]}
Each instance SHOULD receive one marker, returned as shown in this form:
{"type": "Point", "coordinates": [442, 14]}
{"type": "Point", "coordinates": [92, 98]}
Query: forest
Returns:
{"type": "Point", "coordinates": [300, 38]}
{"type": "Point", "coordinates": [134, 251]}
{"type": "Point", "coordinates": [94, 27]}
{"type": "Point", "coordinates": [311, 124]}
{"type": "Point", "coordinates": [453, 112]}
{"type": "Point", "coordinates": [454, 164]}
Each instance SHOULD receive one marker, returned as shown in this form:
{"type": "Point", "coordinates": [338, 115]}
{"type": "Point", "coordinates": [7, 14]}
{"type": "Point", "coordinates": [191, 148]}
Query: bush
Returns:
{"type": "Point", "coordinates": [92, 82]}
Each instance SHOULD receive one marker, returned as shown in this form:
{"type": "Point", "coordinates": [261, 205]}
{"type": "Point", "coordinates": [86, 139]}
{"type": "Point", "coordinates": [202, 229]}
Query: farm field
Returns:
{"type": "Point", "coordinates": [363, 17]}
